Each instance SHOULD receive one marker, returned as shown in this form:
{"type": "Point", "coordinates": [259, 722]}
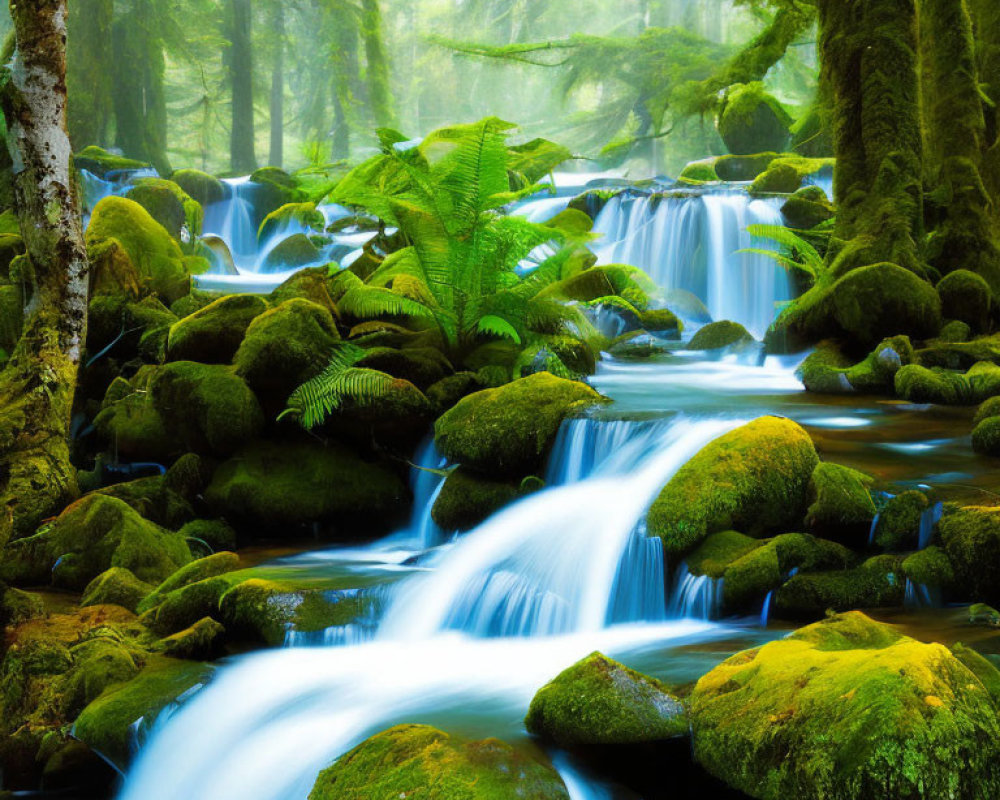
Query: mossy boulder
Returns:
{"type": "Point", "coordinates": [169, 205]}
{"type": "Point", "coordinates": [966, 296]}
{"type": "Point", "coordinates": [217, 534]}
{"type": "Point", "coordinates": [467, 499]}
{"type": "Point", "coordinates": [106, 724]}
{"type": "Point", "coordinates": [281, 484]}
{"type": "Point", "coordinates": [699, 172]}
{"type": "Point", "coordinates": [100, 162]}
{"type": "Point", "coordinates": [878, 583]}
{"type": "Point", "coordinates": [89, 537]}
{"type": "Point", "coordinates": [446, 392]}
{"type": "Point", "coordinates": [213, 334]}
{"type": "Point", "coordinates": [719, 335]}
{"type": "Point", "coordinates": [510, 430]}
{"type": "Point", "coordinates": [598, 701]}
{"type": "Point", "coordinates": [421, 366]}
{"type": "Point", "coordinates": [311, 283]}
{"type": "Point", "coordinates": [828, 370]}
{"type": "Point", "coordinates": [183, 607]}
{"type": "Point", "coordinates": [295, 251]}
{"type": "Point", "coordinates": [753, 121]}
{"type": "Point", "coordinates": [853, 709]}
{"type": "Point", "coordinates": [275, 188]}
{"type": "Point", "coordinates": [786, 175]}
{"type": "Point", "coordinates": [201, 186]}
{"type": "Point", "coordinates": [986, 437]}
{"type": "Point", "coordinates": [289, 216]}
{"type": "Point", "coordinates": [841, 505]}
{"type": "Point", "coordinates": [207, 408]}
{"type": "Point", "coordinates": [412, 760]}
{"type": "Point", "coordinates": [661, 322]}
{"type": "Point", "coordinates": [157, 257]}
{"type": "Point", "coordinates": [898, 526]}
{"type": "Point", "coordinates": [155, 499]}
{"type": "Point", "coordinates": [971, 538]}
{"type": "Point", "coordinates": [203, 641]}
{"type": "Point", "coordinates": [118, 587]}
{"type": "Point", "coordinates": [742, 168]}
{"type": "Point", "coordinates": [17, 606]}
{"type": "Point", "coordinates": [935, 385]}
{"type": "Point", "coordinates": [130, 424]}
{"type": "Point", "coordinates": [807, 208]}
{"type": "Point", "coordinates": [753, 479]}
{"type": "Point", "coordinates": [200, 570]}
{"type": "Point", "coordinates": [930, 567]}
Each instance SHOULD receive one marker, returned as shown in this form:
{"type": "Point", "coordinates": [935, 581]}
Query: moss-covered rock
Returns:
{"type": "Point", "coordinates": [416, 759]}
{"type": "Point", "coordinates": [718, 335]}
{"type": "Point", "coordinates": [118, 587]}
{"type": "Point", "coordinates": [17, 606]}
{"type": "Point", "coordinates": [467, 499]}
{"type": "Point", "coordinates": [203, 641]}
{"type": "Point", "coordinates": [986, 437]}
{"type": "Point", "coordinates": [91, 536]}
{"type": "Point", "coordinates": [598, 701]}
{"type": "Point", "coordinates": [295, 251]}
{"type": "Point", "coordinates": [510, 430]}
{"type": "Point", "coordinates": [169, 205]}
{"type": "Point", "coordinates": [967, 297]}
{"type": "Point", "coordinates": [446, 392]}
{"type": "Point", "coordinates": [753, 121]}
{"type": "Point", "coordinates": [312, 283]}
{"type": "Point", "coordinates": [201, 186]}
{"type": "Point", "coordinates": [661, 322]}
{"type": "Point", "coordinates": [960, 355]}
{"type": "Point", "coordinates": [297, 215]}
{"type": "Point", "coordinates": [154, 254]}
{"type": "Point", "coordinates": [206, 408]}
{"type": "Point", "coordinates": [930, 567]}
{"type": "Point", "coordinates": [421, 366]}
{"type": "Point", "coordinates": [217, 534]}
{"type": "Point", "coordinates": [841, 505]}
{"type": "Point", "coordinates": [281, 484]}
{"type": "Point", "coordinates": [807, 208]}
{"type": "Point", "coordinates": [828, 370]}
{"type": "Point", "coordinates": [125, 330]}
{"type": "Point", "coordinates": [982, 614]}
{"type": "Point", "coordinates": [878, 583]}
{"type": "Point", "coordinates": [100, 162]}
{"type": "Point", "coordinates": [971, 538]}
{"type": "Point", "coordinates": [755, 479]}
{"type": "Point", "coordinates": [922, 385]}
{"type": "Point", "coordinates": [742, 168]}
{"type": "Point", "coordinates": [130, 424]}
{"type": "Point", "coordinates": [155, 499]}
{"type": "Point", "coordinates": [853, 709]}
{"type": "Point", "coordinates": [698, 172]}
{"type": "Point", "coordinates": [898, 526]}
{"type": "Point", "coordinates": [200, 570]}
{"type": "Point", "coordinates": [786, 175]}
{"type": "Point", "coordinates": [106, 724]}
{"type": "Point", "coordinates": [275, 188]}
{"type": "Point", "coordinates": [213, 334]}
{"type": "Point", "coordinates": [183, 607]}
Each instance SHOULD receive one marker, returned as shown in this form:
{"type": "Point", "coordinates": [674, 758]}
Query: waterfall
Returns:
{"type": "Point", "coordinates": [691, 242]}
{"type": "Point", "coordinates": [232, 219]}
{"type": "Point", "coordinates": [695, 596]}
{"type": "Point", "coordinates": [426, 486]}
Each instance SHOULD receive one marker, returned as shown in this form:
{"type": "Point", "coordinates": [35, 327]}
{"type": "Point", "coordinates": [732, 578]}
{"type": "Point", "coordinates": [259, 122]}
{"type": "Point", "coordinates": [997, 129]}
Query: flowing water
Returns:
{"type": "Point", "coordinates": [471, 627]}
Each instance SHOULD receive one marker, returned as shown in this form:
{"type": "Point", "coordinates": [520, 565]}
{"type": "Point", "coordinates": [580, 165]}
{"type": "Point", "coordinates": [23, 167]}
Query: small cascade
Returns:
{"type": "Point", "coordinates": [580, 785]}
{"type": "Point", "coordinates": [233, 219]}
{"type": "Point", "coordinates": [114, 183]}
{"type": "Point", "coordinates": [765, 611]}
{"type": "Point", "coordinates": [928, 522]}
{"type": "Point", "coordinates": [695, 596]}
{"type": "Point", "coordinates": [426, 484]}
{"type": "Point", "coordinates": [588, 446]}
{"type": "Point", "coordinates": [692, 242]}
{"type": "Point", "coordinates": [550, 564]}
{"type": "Point", "coordinates": [920, 596]}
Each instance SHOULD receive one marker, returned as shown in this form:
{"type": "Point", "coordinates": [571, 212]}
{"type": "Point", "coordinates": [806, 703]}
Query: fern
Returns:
{"type": "Point", "coordinates": [796, 253]}
{"type": "Point", "coordinates": [499, 327]}
{"type": "Point", "coordinates": [369, 302]}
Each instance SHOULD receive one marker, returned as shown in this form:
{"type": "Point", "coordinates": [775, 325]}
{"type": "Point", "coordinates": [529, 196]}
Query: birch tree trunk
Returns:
{"type": "Point", "coordinates": [36, 389]}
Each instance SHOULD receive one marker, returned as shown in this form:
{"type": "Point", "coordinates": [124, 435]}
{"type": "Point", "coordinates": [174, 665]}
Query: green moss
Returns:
{"type": "Point", "coordinates": [467, 499]}
{"type": "Point", "coordinates": [742, 168]}
{"type": "Point", "coordinates": [295, 251]}
{"type": "Point", "coordinates": [921, 385]}
{"type": "Point", "coordinates": [11, 317]}
{"type": "Point", "coordinates": [590, 284]}
{"type": "Point", "coordinates": [200, 570]}
{"type": "Point", "coordinates": [844, 709]}
{"type": "Point", "coordinates": [17, 606]}
{"type": "Point", "coordinates": [169, 205]}
{"type": "Point", "coordinates": [955, 332]}
{"type": "Point", "coordinates": [807, 208]}
{"type": "Point", "coordinates": [875, 584]}
{"type": "Point", "coordinates": [699, 172]}
{"type": "Point", "coordinates": [154, 499]}
{"type": "Point", "coordinates": [116, 586]}
{"type": "Point", "coordinates": [714, 555]}
{"type": "Point", "coordinates": [286, 483]}
{"type": "Point", "coordinates": [412, 760]}
{"type": "Point", "coordinates": [213, 334]}
{"type": "Point", "coordinates": [959, 355]}
{"type": "Point", "coordinates": [841, 505]}
{"type": "Point", "coordinates": [990, 408]}
{"type": "Point", "coordinates": [718, 335]}
{"type": "Point", "coordinates": [203, 641]}
{"type": "Point", "coordinates": [986, 437]}
{"type": "Point", "coordinates": [785, 175]}
{"type": "Point", "coordinates": [105, 724]}
{"type": "Point", "coordinates": [277, 188]}
{"type": "Point", "coordinates": [206, 408]}
{"type": "Point", "coordinates": [216, 533]}
{"type": "Point", "coordinates": [967, 297]}
{"type": "Point", "coordinates": [301, 214]}
{"type": "Point", "coordinates": [307, 284]}
{"type": "Point", "coordinates": [421, 366]}
{"type": "Point", "coordinates": [91, 536]}
{"type": "Point", "coordinates": [183, 607]}
{"type": "Point", "coordinates": [155, 255]}
{"type": "Point", "coordinates": [661, 322]}
{"type": "Point", "coordinates": [753, 479]}
{"type": "Point", "coordinates": [982, 614]}
{"type": "Point", "coordinates": [599, 701]}
{"type": "Point", "coordinates": [753, 121]}
{"type": "Point", "coordinates": [201, 186]}
{"type": "Point", "coordinates": [446, 392]}
{"type": "Point", "coordinates": [829, 371]}
{"type": "Point", "coordinates": [930, 567]}
{"type": "Point", "coordinates": [971, 538]}
{"type": "Point", "coordinates": [510, 430]}
{"type": "Point", "coordinates": [100, 162]}
{"type": "Point", "coordinates": [899, 522]}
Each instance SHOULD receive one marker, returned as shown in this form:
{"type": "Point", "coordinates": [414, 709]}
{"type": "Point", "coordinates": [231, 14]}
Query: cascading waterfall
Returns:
{"type": "Point", "coordinates": [426, 484]}
{"type": "Point", "coordinates": [692, 242]}
{"type": "Point", "coordinates": [695, 596]}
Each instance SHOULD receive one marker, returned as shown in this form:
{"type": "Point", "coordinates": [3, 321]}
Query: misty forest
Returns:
{"type": "Point", "coordinates": [500, 400]}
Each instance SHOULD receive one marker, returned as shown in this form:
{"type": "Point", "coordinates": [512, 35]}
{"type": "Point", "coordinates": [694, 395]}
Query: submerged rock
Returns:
{"type": "Point", "coordinates": [601, 702]}
{"type": "Point", "coordinates": [417, 760]}
{"type": "Point", "coordinates": [754, 479]}
{"type": "Point", "coordinates": [849, 708]}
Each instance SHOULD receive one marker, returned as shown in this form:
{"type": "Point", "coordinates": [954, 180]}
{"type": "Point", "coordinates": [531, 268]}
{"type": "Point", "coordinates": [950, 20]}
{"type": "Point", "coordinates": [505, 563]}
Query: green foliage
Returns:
{"type": "Point", "coordinates": [796, 253]}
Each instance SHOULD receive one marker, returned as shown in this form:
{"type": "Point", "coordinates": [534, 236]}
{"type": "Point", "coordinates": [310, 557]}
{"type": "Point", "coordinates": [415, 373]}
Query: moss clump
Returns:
{"type": "Point", "coordinates": [718, 335]}
{"type": "Point", "coordinates": [922, 385]}
{"type": "Point", "coordinates": [699, 172]}
{"type": "Point", "coordinates": [11, 317]}
{"type": "Point", "coordinates": [105, 724]}
{"type": "Point", "coordinates": [284, 484]}
{"type": "Point", "coordinates": [899, 522]}
{"type": "Point", "coordinates": [743, 168]}
{"type": "Point", "coordinates": [599, 701]}
{"type": "Point", "coordinates": [131, 426]}
{"type": "Point", "coordinates": [183, 607]}
{"type": "Point", "coordinates": [467, 499]}
{"type": "Point", "coordinates": [91, 536]}
{"type": "Point", "coordinates": [714, 555]}
{"type": "Point", "coordinates": [446, 392]}
{"type": "Point", "coordinates": [828, 370]}
{"type": "Point", "coordinates": [982, 614]}
{"type": "Point", "coordinates": [967, 297]}
{"type": "Point", "coordinates": [785, 175]}
{"type": "Point", "coordinates": [878, 583]}
{"type": "Point", "coordinates": [852, 708]}
{"type": "Point", "coordinates": [213, 334]}
{"type": "Point", "coordinates": [807, 208]}
{"type": "Point", "coordinates": [200, 570]}
{"type": "Point", "coordinates": [216, 533]}
{"type": "Point", "coordinates": [510, 430]}
{"type": "Point", "coordinates": [201, 186]}
{"type": "Point", "coordinates": [986, 437]}
{"type": "Point", "coordinates": [302, 215]}
{"type": "Point", "coordinates": [169, 205]}
{"type": "Point", "coordinates": [203, 641]}
{"type": "Point", "coordinates": [118, 587]}
{"type": "Point", "coordinates": [753, 121]}
{"type": "Point", "coordinates": [971, 538]}
{"type": "Point", "coordinates": [841, 505]}
{"type": "Point", "coordinates": [100, 162]}
{"type": "Point", "coordinates": [411, 760]}
{"type": "Point", "coordinates": [661, 322]}
{"type": "Point", "coordinates": [307, 284]}
{"type": "Point", "coordinates": [930, 567]}
{"type": "Point", "coordinates": [753, 479]}
{"type": "Point", "coordinates": [276, 188]}
{"type": "Point", "coordinates": [295, 251]}
{"type": "Point", "coordinates": [206, 408]}
{"type": "Point", "coordinates": [154, 254]}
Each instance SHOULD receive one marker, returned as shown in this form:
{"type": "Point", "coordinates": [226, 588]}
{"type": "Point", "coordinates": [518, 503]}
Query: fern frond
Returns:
{"type": "Point", "coordinates": [369, 302]}
{"type": "Point", "coordinates": [790, 240]}
{"type": "Point", "coordinates": [492, 325]}
{"type": "Point", "coordinates": [315, 400]}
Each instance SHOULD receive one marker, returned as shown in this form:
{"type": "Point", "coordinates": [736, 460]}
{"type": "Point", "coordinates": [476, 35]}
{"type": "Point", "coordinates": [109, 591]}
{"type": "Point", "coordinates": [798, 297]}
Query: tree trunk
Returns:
{"type": "Point", "coordinates": [243, 157]}
{"type": "Point", "coordinates": [89, 72]}
{"type": "Point", "coordinates": [379, 88]}
{"type": "Point", "coordinates": [277, 156]}
{"type": "Point", "coordinates": [36, 389]}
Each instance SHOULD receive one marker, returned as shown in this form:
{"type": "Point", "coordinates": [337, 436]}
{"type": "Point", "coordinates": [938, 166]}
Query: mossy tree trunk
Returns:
{"type": "Point", "coordinates": [240, 62]}
{"type": "Point", "coordinates": [986, 28]}
{"type": "Point", "coordinates": [345, 87]}
{"type": "Point", "coordinates": [36, 389]}
{"type": "Point", "coordinates": [870, 63]}
{"type": "Point", "coordinates": [277, 152]}
{"type": "Point", "coordinates": [377, 70]}
{"type": "Point", "coordinates": [90, 72]}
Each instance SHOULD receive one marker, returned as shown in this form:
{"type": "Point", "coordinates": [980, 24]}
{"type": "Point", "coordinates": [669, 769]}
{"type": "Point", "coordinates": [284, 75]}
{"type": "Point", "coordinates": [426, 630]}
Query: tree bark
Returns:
{"type": "Point", "coordinates": [277, 156]}
{"type": "Point", "coordinates": [36, 389]}
{"type": "Point", "coordinates": [243, 156]}
{"type": "Point", "coordinates": [379, 89]}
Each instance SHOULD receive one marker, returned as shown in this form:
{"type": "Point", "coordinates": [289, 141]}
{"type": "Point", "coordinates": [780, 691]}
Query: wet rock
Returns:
{"type": "Point", "coordinates": [899, 522]}
{"type": "Point", "coordinates": [842, 507]}
{"type": "Point", "coordinates": [201, 186]}
{"type": "Point", "coordinates": [200, 570]}
{"type": "Point", "coordinates": [213, 334]}
{"type": "Point", "coordinates": [719, 335]}
{"type": "Point", "coordinates": [295, 251]}
{"type": "Point", "coordinates": [878, 583]}
{"type": "Point", "coordinates": [203, 641]}
{"type": "Point", "coordinates": [807, 208]}
{"type": "Point", "coordinates": [467, 499]}
{"type": "Point", "coordinates": [971, 538]}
